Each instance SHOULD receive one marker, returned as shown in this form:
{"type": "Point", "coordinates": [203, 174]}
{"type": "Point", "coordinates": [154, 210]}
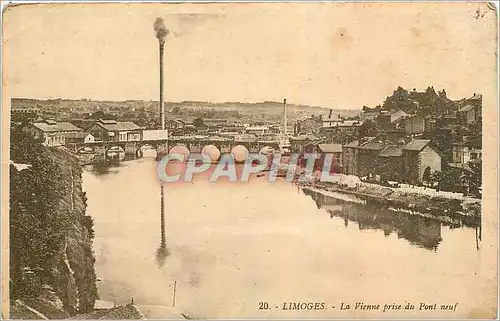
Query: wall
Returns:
{"type": "Point", "coordinates": [415, 125]}
{"type": "Point", "coordinates": [349, 160]}
{"type": "Point", "coordinates": [98, 132]}
{"type": "Point", "coordinates": [411, 161]}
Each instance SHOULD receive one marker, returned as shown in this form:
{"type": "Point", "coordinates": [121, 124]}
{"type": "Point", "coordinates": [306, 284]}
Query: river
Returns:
{"type": "Point", "coordinates": [235, 247]}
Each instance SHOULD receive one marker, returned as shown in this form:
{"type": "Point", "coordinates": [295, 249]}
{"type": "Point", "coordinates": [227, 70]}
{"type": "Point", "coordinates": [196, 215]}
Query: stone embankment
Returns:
{"type": "Point", "coordinates": [413, 201]}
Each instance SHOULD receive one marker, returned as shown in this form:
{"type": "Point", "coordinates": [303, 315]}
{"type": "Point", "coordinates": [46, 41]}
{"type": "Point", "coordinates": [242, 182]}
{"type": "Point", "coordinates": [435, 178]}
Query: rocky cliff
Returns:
{"type": "Point", "coordinates": [52, 262]}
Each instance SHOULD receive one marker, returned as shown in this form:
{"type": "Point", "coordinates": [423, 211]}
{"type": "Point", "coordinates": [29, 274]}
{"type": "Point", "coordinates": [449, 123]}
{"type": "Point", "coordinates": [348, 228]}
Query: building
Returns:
{"type": "Point", "coordinates": [174, 124]}
{"type": "Point", "coordinates": [51, 132]}
{"type": "Point", "coordinates": [383, 120]}
{"type": "Point", "coordinates": [397, 116]}
{"type": "Point", "coordinates": [74, 138]}
{"type": "Point", "coordinates": [233, 128]}
{"type": "Point", "coordinates": [350, 127]}
{"type": "Point", "coordinates": [330, 120]}
{"type": "Point", "coordinates": [24, 112]}
{"type": "Point", "coordinates": [369, 115]}
{"type": "Point", "coordinates": [467, 114]}
{"type": "Point", "coordinates": [257, 130]}
{"type": "Point", "coordinates": [389, 165]}
{"type": "Point", "coordinates": [414, 124]}
{"type": "Point", "coordinates": [349, 159]}
{"type": "Point", "coordinates": [114, 131]}
{"type": "Point", "coordinates": [333, 149]}
{"type": "Point", "coordinates": [465, 152]}
{"type": "Point", "coordinates": [274, 129]}
{"type": "Point", "coordinates": [477, 102]}
{"type": "Point", "coordinates": [215, 122]}
{"type": "Point", "coordinates": [350, 153]}
{"type": "Point", "coordinates": [449, 119]}
{"type": "Point", "coordinates": [308, 125]}
{"type": "Point", "coordinates": [366, 158]}
{"type": "Point", "coordinates": [419, 158]}
{"type": "Point", "coordinates": [430, 124]}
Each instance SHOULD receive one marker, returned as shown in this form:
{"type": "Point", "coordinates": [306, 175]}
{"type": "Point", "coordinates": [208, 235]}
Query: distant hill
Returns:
{"type": "Point", "coordinates": [270, 108]}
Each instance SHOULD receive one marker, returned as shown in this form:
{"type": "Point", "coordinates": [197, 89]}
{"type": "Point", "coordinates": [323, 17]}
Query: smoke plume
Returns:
{"type": "Point", "coordinates": [160, 29]}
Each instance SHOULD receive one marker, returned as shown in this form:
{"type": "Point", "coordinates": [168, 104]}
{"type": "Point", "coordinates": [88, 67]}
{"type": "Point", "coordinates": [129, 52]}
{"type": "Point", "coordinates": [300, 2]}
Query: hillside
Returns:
{"type": "Point", "coordinates": [89, 106]}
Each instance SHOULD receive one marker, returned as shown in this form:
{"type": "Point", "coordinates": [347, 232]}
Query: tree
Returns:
{"type": "Point", "coordinates": [400, 99]}
{"type": "Point", "coordinates": [449, 180]}
{"type": "Point", "coordinates": [475, 177]}
{"type": "Point", "coordinates": [35, 215]}
{"type": "Point", "coordinates": [368, 128]}
{"type": "Point", "coordinates": [98, 115]}
{"type": "Point", "coordinates": [435, 179]}
{"type": "Point", "coordinates": [426, 177]}
{"type": "Point", "coordinates": [198, 122]}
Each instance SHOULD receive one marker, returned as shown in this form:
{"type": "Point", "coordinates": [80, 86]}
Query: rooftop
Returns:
{"type": "Point", "coordinates": [373, 145]}
{"type": "Point", "coordinates": [354, 143]}
{"type": "Point", "coordinates": [256, 128]}
{"type": "Point", "coordinates": [397, 115]}
{"type": "Point", "coordinates": [52, 126]}
{"type": "Point", "coordinates": [345, 123]}
{"type": "Point", "coordinates": [391, 151]}
{"type": "Point", "coordinates": [113, 125]}
{"type": "Point", "coordinates": [417, 144]}
{"type": "Point", "coordinates": [466, 108]}
{"type": "Point", "coordinates": [330, 148]}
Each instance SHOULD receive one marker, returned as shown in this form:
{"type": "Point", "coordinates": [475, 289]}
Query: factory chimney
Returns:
{"type": "Point", "coordinates": [161, 34]}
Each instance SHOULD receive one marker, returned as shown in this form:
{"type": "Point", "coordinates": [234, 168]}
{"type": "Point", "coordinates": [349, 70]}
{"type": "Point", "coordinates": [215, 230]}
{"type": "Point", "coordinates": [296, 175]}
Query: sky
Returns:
{"type": "Point", "coordinates": [335, 55]}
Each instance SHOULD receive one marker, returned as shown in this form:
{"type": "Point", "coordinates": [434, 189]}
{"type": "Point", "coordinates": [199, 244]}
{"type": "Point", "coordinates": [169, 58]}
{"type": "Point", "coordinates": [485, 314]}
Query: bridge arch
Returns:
{"type": "Point", "coordinates": [140, 149]}
{"type": "Point", "coordinates": [115, 151]}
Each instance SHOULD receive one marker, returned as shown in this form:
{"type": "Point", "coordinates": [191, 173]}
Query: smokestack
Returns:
{"type": "Point", "coordinates": [162, 104]}
{"type": "Point", "coordinates": [161, 33]}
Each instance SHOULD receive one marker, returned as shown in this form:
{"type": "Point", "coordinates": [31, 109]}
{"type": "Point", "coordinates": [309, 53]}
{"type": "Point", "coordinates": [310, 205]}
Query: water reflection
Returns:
{"type": "Point", "coordinates": [162, 252]}
{"type": "Point", "coordinates": [420, 231]}
{"type": "Point", "coordinates": [248, 235]}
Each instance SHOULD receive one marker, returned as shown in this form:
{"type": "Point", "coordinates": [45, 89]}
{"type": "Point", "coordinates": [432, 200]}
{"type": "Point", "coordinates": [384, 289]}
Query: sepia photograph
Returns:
{"type": "Point", "coordinates": [250, 160]}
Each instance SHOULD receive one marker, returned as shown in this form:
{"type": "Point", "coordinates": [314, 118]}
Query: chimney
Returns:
{"type": "Point", "coordinates": [162, 104]}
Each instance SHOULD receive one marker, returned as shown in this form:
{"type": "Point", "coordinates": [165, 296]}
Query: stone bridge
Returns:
{"type": "Point", "coordinates": [103, 149]}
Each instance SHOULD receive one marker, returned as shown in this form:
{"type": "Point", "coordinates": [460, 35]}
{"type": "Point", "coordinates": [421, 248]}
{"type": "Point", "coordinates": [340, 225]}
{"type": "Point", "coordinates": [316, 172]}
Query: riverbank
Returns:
{"type": "Point", "coordinates": [443, 208]}
{"type": "Point", "coordinates": [61, 282]}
